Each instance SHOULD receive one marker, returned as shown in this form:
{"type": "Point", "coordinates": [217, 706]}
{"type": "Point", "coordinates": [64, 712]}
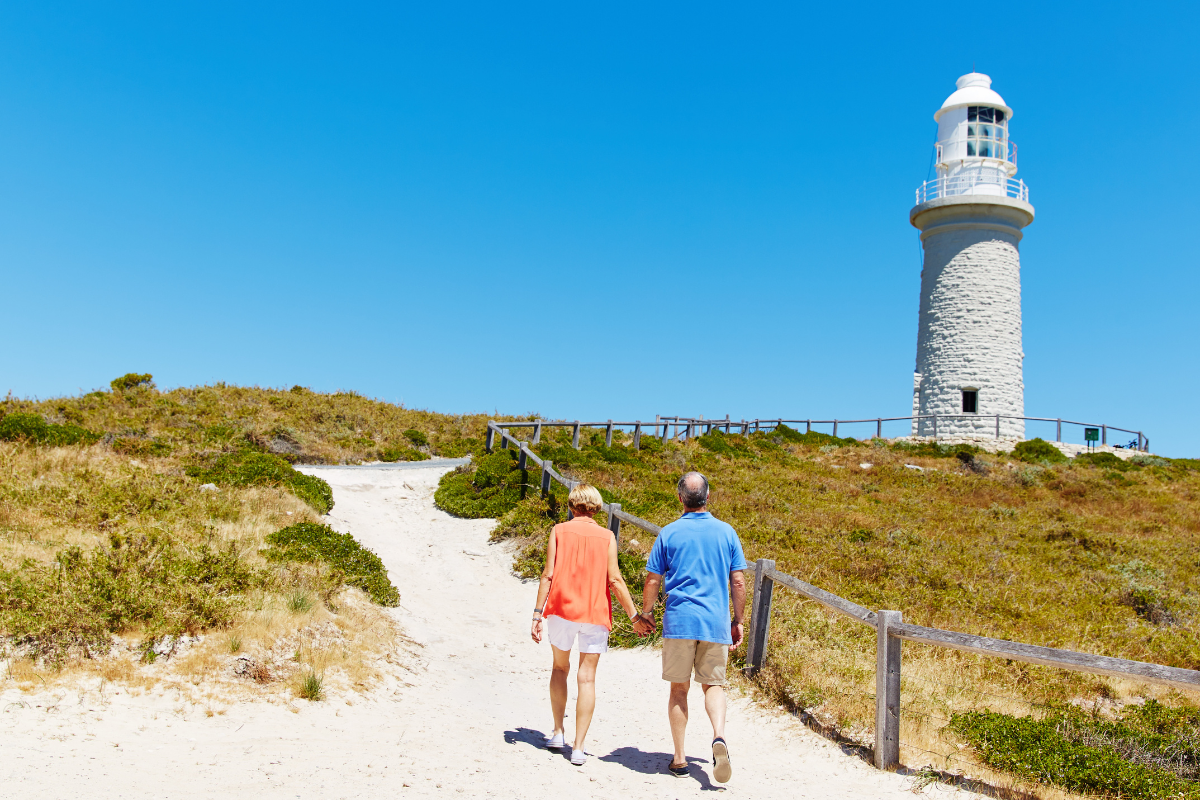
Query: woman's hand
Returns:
{"type": "Point", "coordinates": [536, 631]}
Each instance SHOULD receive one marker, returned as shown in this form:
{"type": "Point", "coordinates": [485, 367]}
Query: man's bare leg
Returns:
{"type": "Point", "coordinates": [714, 704]}
{"type": "Point", "coordinates": [677, 712]}
{"type": "Point", "coordinates": [585, 704]}
{"type": "Point", "coordinates": [558, 687]}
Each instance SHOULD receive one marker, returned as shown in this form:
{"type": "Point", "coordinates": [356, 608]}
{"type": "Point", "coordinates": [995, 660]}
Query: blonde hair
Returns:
{"type": "Point", "coordinates": [586, 498]}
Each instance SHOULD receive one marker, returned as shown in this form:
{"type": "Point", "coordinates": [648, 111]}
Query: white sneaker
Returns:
{"type": "Point", "coordinates": [578, 757]}
{"type": "Point", "coordinates": [555, 742]}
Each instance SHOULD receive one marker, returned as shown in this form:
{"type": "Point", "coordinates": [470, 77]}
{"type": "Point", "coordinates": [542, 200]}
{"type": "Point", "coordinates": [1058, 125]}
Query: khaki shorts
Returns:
{"type": "Point", "coordinates": [680, 656]}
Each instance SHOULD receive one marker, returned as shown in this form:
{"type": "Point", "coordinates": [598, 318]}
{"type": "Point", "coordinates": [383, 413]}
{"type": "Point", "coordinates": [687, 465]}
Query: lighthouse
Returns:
{"type": "Point", "coordinates": [969, 354]}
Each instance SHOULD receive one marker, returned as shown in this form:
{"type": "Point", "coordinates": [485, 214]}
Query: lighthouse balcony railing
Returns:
{"type": "Point", "coordinates": [972, 184]}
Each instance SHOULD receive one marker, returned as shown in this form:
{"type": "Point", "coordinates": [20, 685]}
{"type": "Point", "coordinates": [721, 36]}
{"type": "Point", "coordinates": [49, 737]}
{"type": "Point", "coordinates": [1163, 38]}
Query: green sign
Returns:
{"type": "Point", "coordinates": [1091, 434]}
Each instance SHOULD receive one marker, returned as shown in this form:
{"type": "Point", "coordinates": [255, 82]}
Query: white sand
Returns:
{"type": "Point", "coordinates": [465, 722]}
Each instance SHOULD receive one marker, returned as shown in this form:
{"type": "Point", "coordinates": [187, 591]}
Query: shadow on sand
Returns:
{"type": "Point", "coordinates": [656, 764]}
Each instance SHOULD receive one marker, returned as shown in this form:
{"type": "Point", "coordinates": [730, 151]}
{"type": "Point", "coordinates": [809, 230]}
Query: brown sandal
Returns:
{"type": "Point", "coordinates": [678, 772]}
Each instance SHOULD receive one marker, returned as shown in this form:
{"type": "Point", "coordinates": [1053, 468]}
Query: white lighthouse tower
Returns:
{"type": "Point", "coordinates": [970, 216]}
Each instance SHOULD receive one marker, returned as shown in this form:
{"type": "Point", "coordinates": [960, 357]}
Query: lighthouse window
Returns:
{"type": "Point", "coordinates": [987, 134]}
{"type": "Point", "coordinates": [970, 401]}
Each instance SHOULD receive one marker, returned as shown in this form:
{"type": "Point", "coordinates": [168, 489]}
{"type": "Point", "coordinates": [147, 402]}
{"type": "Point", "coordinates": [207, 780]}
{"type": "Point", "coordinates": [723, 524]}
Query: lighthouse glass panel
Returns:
{"type": "Point", "coordinates": [987, 133]}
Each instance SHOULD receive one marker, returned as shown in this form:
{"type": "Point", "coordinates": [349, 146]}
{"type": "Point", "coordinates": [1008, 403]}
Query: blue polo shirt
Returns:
{"type": "Point", "coordinates": [695, 554]}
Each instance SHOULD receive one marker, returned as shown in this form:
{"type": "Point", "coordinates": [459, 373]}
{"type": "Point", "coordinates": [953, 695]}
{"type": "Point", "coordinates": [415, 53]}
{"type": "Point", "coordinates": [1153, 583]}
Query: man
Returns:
{"type": "Point", "coordinates": [700, 559]}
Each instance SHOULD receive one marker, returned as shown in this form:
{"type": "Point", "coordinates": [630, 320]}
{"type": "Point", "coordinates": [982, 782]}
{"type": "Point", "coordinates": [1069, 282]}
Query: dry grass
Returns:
{"type": "Point", "coordinates": [85, 496]}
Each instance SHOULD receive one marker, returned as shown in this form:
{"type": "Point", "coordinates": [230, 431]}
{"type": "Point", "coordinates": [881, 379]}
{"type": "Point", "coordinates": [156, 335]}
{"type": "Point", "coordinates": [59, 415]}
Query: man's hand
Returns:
{"type": "Point", "coordinates": [737, 631]}
{"type": "Point", "coordinates": [536, 631]}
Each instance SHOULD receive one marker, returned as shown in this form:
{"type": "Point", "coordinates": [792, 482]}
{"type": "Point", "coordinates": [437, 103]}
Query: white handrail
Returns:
{"type": "Point", "coordinates": [968, 184]}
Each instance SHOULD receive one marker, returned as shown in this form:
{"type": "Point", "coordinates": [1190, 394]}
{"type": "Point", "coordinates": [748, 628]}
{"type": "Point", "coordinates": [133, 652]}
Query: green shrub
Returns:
{"type": "Point", "coordinates": [935, 450]}
{"type": "Point", "coordinates": [312, 687]}
{"type": "Point", "coordinates": [1147, 460]}
{"type": "Point", "coordinates": [417, 438]}
{"type": "Point", "coordinates": [1106, 460]}
{"type": "Point", "coordinates": [1077, 753]}
{"type": "Point", "coordinates": [132, 380]}
{"type": "Point", "coordinates": [402, 453]}
{"type": "Point", "coordinates": [144, 581]}
{"type": "Point", "coordinates": [486, 488]}
{"type": "Point", "coordinates": [812, 438]}
{"type": "Point", "coordinates": [730, 446]}
{"type": "Point", "coordinates": [1038, 451]}
{"type": "Point", "coordinates": [35, 430]}
{"type": "Point", "coordinates": [355, 564]}
{"type": "Point", "coordinates": [249, 468]}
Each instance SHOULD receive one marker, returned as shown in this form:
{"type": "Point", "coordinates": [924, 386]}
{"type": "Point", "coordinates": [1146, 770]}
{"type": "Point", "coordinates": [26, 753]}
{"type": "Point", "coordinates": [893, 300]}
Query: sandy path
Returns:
{"type": "Point", "coordinates": [467, 722]}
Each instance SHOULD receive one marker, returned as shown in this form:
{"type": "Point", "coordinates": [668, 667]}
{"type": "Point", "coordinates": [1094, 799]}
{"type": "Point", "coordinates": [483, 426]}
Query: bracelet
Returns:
{"type": "Point", "coordinates": [538, 610]}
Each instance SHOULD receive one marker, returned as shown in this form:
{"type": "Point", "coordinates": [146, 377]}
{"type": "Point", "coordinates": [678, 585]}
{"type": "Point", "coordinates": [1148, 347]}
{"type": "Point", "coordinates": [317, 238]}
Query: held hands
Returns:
{"type": "Point", "coordinates": [642, 626]}
{"type": "Point", "coordinates": [737, 631]}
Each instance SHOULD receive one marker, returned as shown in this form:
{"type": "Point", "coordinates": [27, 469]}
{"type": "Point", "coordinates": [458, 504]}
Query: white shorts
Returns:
{"type": "Point", "coordinates": [562, 633]}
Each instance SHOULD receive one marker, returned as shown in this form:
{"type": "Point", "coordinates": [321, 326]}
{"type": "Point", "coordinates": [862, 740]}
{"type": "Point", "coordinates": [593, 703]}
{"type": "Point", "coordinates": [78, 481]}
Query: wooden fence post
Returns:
{"type": "Point", "coordinates": [608, 435]}
{"type": "Point", "coordinates": [523, 458]}
{"type": "Point", "coordinates": [887, 691]}
{"type": "Point", "coordinates": [504, 439]}
{"type": "Point", "coordinates": [835, 429]}
{"type": "Point", "coordinates": [664, 433]}
{"type": "Point", "coordinates": [614, 524]}
{"type": "Point", "coordinates": [575, 436]}
{"type": "Point", "coordinates": [637, 436]}
{"type": "Point", "coordinates": [760, 616]}
{"type": "Point", "coordinates": [1057, 431]}
{"type": "Point", "coordinates": [537, 433]}
{"type": "Point", "coordinates": [808, 426]}
{"type": "Point", "coordinates": [726, 423]}
{"type": "Point", "coordinates": [490, 439]}
{"type": "Point", "coordinates": [1103, 434]}
{"type": "Point", "coordinates": [745, 428]}
{"type": "Point", "coordinates": [547, 465]}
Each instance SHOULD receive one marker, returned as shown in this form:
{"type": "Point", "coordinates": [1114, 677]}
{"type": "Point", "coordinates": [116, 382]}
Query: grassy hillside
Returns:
{"type": "Point", "coordinates": [150, 535]}
{"type": "Point", "coordinates": [1093, 554]}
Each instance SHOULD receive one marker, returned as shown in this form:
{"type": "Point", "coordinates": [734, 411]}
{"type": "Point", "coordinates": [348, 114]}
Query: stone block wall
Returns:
{"type": "Point", "coordinates": [969, 334]}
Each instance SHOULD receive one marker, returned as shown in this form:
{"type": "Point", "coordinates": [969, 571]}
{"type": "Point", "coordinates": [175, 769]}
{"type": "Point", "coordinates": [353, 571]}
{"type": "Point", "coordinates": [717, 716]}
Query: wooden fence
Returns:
{"type": "Point", "coordinates": [686, 427]}
{"type": "Point", "coordinates": [891, 630]}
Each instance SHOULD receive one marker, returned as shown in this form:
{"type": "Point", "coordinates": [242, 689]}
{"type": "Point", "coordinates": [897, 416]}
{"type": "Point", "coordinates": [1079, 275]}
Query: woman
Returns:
{"type": "Point", "coordinates": [574, 601]}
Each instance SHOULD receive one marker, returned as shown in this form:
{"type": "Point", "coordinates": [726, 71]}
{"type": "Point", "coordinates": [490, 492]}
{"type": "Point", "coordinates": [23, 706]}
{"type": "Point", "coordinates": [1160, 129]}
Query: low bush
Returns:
{"type": "Point", "coordinates": [812, 438]}
{"type": "Point", "coordinates": [1038, 451]}
{"type": "Point", "coordinates": [416, 438]}
{"type": "Point", "coordinates": [138, 446]}
{"type": "Point", "coordinates": [488, 487]}
{"type": "Point", "coordinates": [1113, 759]}
{"type": "Point", "coordinates": [730, 446]}
{"type": "Point", "coordinates": [248, 468]}
{"type": "Point", "coordinates": [132, 380]}
{"type": "Point", "coordinates": [146, 580]}
{"type": "Point", "coordinates": [402, 453]}
{"type": "Point", "coordinates": [32, 428]}
{"type": "Point", "coordinates": [1106, 460]}
{"type": "Point", "coordinates": [355, 564]}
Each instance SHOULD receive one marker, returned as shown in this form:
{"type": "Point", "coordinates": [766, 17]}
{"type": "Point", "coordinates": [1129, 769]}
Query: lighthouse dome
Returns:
{"type": "Point", "coordinates": [974, 89]}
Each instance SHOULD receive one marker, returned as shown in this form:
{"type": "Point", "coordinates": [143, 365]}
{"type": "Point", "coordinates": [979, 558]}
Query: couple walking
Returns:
{"type": "Point", "coordinates": [697, 560]}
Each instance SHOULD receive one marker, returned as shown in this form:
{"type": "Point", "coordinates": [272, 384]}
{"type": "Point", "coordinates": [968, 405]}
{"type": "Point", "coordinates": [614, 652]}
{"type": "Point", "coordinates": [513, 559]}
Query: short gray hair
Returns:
{"type": "Point", "coordinates": [693, 490]}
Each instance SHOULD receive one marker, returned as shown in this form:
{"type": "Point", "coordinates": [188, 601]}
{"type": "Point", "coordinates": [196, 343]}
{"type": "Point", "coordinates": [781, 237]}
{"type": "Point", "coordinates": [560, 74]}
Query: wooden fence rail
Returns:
{"type": "Point", "coordinates": [687, 427]}
{"type": "Point", "coordinates": [889, 625]}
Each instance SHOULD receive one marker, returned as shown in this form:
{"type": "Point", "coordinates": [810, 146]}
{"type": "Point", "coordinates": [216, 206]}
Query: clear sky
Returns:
{"type": "Point", "coordinates": [584, 210]}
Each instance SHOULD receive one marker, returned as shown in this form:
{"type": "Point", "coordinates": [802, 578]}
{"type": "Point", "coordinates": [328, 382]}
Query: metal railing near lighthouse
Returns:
{"type": "Point", "coordinates": [972, 183]}
{"type": "Point", "coordinates": [685, 428]}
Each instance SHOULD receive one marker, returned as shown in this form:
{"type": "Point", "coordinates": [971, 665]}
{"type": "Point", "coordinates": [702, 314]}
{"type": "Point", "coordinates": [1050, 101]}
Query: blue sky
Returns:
{"type": "Point", "coordinates": [583, 210]}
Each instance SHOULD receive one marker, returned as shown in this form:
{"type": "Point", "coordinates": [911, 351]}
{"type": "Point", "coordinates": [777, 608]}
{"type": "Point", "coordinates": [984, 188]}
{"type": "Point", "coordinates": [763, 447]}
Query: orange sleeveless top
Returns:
{"type": "Point", "coordinates": [579, 588]}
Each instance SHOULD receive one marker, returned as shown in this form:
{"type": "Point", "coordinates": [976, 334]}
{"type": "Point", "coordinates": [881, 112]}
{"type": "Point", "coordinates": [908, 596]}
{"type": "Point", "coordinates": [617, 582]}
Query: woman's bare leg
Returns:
{"type": "Point", "coordinates": [558, 687]}
{"type": "Point", "coordinates": [585, 704]}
